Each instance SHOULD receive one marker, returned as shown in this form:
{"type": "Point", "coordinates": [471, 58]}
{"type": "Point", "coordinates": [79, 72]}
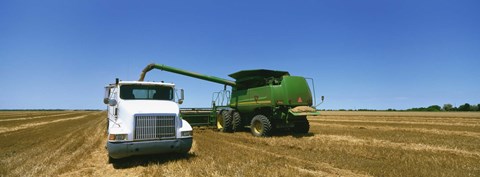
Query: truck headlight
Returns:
{"type": "Point", "coordinates": [187, 133]}
{"type": "Point", "coordinates": [117, 137]}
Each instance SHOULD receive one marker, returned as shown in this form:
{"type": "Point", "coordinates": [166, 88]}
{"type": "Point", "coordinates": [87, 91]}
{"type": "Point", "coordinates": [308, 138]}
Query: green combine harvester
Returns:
{"type": "Point", "coordinates": [262, 100]}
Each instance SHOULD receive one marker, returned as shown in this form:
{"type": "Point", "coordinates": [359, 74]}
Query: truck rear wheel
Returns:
{"type": "Point", "coordinates": [301, 125]}
{"type": "Point", "coordinates": [260, 126]}
{"type": "Point", "coordinates": [224, 121]}
{"type": "Point", "coordinates": [237, 121]}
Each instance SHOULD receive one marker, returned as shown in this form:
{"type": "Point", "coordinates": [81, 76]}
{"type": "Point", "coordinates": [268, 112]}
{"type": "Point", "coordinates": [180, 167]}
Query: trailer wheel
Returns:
{"type": "Point", "coordinates": [301, 125]}
{"type": "Point", "coordinates": [224, 121]}
{"type": "Point", "coordinates": [260, 126]}
{"type": "Point", "coordinates": [237, 120]}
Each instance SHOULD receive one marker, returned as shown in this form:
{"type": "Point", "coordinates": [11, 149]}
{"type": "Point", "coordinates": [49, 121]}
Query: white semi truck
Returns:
{"type": "Point", "coordinates": [144, 118]}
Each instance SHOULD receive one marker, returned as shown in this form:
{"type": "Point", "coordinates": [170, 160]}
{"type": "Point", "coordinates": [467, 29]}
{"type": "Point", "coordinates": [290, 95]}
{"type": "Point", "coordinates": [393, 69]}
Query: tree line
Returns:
{"type": "Point", "coordinates": [448, 107]}
{"type": "Point", "coordinates": [433, 108]}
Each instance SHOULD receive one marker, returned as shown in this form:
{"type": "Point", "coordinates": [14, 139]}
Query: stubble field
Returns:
{"type": "Point", "coordinates": [71, 143]}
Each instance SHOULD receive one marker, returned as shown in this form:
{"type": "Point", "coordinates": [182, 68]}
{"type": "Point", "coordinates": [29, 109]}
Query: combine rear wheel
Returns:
{"type": "Point", "coordinates": [260, 126]}
{"type": "Point", "coordinates": [224, 121]}
{"type": "Point", "coordinates": [237, 121]}
{"type": "Point", "coordinates": [301, 125]}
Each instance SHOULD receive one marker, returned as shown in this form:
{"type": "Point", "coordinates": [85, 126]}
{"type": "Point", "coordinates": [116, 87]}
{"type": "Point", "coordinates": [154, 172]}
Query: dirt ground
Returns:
{"type": "Point", "coordinates": [72, 143]}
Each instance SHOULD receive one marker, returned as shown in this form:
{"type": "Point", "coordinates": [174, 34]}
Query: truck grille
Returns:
{"type": "Point", "coordinates": [149, 127]}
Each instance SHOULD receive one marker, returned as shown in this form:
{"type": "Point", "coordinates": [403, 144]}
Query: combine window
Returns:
{"type": "Point", "coordinates": [145, 92]}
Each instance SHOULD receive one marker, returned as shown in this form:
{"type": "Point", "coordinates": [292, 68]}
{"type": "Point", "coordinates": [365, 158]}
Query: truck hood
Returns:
{"type": "Point", "coordinates": [147, 106]}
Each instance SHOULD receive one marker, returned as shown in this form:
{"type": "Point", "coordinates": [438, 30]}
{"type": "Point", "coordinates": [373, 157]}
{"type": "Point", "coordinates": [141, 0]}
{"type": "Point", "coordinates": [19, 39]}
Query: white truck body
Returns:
{"type": "Point", "coordinates": [143, 118]}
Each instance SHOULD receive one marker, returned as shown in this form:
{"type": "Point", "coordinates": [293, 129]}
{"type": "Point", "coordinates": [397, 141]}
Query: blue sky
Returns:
{"type": "Point", "coordinates": [372, 54]}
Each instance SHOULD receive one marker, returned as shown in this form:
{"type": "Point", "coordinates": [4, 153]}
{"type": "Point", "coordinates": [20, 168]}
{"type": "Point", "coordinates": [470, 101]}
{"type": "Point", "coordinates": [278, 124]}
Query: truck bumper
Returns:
{"type": "Point", "coordinates": [119, 150]}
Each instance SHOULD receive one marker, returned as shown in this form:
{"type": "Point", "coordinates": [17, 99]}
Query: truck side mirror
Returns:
{"type": "Point", "coordinates": [106, 97]}
{"type": "Point", "coordinates": [182, 96]}
{"type": "Point", "coordinates": [323, 97]}
{"type": "Point", "coordinates": [112, 102]}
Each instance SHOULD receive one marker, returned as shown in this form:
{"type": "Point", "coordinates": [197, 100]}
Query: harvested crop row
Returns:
{"type": "Point", "coordinates": [376, 114]}
{"type": "Point", "coordinates": [27, 114]}
{"type": "Point", "coordinates": [47, 148]}
{"type": "Point", "coordinates": [463, 120]}
{"type": "Point", "coordinates": [9, 126]}
{"type": "Point", "coordinates": [36, 117]}
{"type": "Point", "coordinates": [219, 154]}
{"type": "Point", "coordinates": [393, 128]}
{"type": "Point", "coordinates": [459, 126]}
{"type": "Point", "coordinates": [402, 135]}
{"type": "Point", "coordinates": [75, 147]}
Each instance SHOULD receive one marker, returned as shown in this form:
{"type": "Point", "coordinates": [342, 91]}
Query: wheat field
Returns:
{"type": "Point", "coordinates": [72, 143]}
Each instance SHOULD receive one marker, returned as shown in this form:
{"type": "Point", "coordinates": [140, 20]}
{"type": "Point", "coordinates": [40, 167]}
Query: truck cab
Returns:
{"type": "Point", "coordinates": [144, 118]}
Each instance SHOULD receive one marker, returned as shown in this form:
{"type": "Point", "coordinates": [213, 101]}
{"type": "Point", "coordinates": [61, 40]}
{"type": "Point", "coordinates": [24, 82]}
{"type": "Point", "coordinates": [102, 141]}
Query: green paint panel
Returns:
{"type": "Point", "coordinates": [296, 91]}
{"type": "Point", "coordinates": [290, 91]}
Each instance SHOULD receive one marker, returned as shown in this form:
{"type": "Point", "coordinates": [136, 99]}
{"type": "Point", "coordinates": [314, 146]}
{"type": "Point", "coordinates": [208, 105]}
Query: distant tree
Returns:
{"type": "Point", "coordinates": [455, 108]}
{"type": "Point", "coordinates": [464, 107]}
{"type": "Point", "coordinates": [474, 107]}
{"type": "Point", "coordinates": [447, 107]}
{"type": "Point", "coordinates": [434, 108]}
{"type": "Point", "coordinates": [417, 109]}
{"type": "Point", "coordinates": [478, 107]}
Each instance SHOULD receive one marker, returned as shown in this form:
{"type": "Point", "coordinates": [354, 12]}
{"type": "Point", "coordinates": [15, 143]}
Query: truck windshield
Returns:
{"type": "Point", "coordinates": [146, 92]}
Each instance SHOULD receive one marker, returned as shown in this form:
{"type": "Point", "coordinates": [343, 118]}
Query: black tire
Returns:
{"type": "Point", "coordinates": [112, 160]}
{"type": "Point", "coordinates": [224, 121]}
{"type": "Point", "coordinates": [301, 125]}
{"type": "Point", "coordinates": [237, 121]}
{"type": "Point", "coordinates": [260, 126]}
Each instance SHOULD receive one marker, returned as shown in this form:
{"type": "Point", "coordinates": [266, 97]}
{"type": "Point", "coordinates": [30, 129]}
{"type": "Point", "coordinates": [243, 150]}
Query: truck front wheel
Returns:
{"type": "Point", "coordinates": [112, 160]}
{"type": "Point", "coordinates": [260, 126]}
